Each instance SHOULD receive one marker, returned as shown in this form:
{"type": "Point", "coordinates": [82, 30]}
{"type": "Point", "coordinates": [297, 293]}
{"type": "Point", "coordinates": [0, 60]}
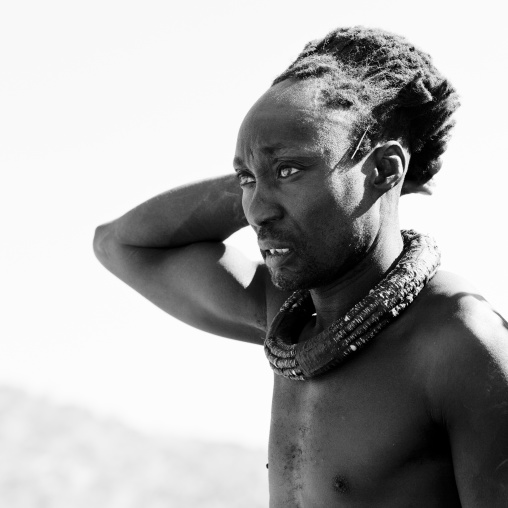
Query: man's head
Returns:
{"type": "Point", "coordinates": [320, 148]}
{"type": "Point", "coordinates": [391, 89]}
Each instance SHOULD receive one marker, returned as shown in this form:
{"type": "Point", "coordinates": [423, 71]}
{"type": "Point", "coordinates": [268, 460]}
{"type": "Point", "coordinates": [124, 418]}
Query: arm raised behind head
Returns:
{"type": "Point", "coordinates": [170, 249]}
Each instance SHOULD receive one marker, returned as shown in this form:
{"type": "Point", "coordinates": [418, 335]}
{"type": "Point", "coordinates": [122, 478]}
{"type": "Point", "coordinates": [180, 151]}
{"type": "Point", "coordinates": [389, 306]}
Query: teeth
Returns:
{"type": "Point", "coordinates": [278, 252]}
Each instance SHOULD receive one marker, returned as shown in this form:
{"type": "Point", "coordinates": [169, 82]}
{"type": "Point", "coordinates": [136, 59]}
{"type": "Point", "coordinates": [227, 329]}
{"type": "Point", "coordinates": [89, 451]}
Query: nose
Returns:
{"type": "Point", "coordinates": [261, 206]}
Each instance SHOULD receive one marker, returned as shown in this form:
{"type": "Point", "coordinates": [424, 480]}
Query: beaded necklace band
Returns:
{"type": "Point", "coordinates": [300, 361]}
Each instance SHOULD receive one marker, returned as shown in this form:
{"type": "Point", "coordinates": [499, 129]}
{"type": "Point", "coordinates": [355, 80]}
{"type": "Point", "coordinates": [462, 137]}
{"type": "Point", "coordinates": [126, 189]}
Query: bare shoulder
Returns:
{"type": "Point", "coordinates": [455, 311]}
{"type": "Point", "coordinates": [462, 342]}
{"type": "Point", "coordinates": [461, 356]}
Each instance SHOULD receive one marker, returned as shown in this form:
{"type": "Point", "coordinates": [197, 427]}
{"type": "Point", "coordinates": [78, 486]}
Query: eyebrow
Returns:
{"type": "Point", "coordinates": [238, 161]}
{"type": "Point", "coordinates": [269, 149]}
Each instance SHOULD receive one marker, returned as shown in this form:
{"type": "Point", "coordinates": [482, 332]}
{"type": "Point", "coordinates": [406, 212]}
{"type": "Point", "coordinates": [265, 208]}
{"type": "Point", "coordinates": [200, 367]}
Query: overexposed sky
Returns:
{"type": "Point", "coordinates": [104, 104]}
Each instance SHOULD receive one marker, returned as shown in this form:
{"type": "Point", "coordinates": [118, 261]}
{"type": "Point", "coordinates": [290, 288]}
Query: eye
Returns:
{"type": "Point", "coordinates": [244, 178]}
{"type": "Point", "coordinates": [286, 171]}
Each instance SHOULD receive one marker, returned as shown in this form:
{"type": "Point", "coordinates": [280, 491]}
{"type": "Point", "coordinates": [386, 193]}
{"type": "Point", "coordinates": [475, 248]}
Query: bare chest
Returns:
{"type": "Point", "coordinates": [356, 435]}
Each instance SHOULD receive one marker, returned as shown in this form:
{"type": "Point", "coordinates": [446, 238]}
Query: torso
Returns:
{"type": "Point", "coordinates": [364, 433]}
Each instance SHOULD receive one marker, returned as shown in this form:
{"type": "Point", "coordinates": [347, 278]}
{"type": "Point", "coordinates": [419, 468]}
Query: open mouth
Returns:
{"type": "Point", "coordinates": [277, 258]}
{"type": "Point", "coordinates": [277, 252]}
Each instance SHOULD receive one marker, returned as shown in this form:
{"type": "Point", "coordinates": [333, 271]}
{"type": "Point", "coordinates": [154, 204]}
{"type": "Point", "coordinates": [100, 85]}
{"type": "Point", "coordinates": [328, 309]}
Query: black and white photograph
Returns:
{"type": "Point", "coordinates": [253, 254]}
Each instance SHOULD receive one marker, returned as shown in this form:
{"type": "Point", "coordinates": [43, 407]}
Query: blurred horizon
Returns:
{"type": "Point", "coordinates": [64, 456]}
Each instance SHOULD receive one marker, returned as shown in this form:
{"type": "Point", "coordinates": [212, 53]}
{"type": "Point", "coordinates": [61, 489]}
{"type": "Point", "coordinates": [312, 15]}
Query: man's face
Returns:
{"type": "Point", "coordinates": [312, 222]}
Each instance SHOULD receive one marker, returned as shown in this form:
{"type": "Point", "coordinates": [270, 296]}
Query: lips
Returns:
{"type": "Point", "coordinates": [277, 252]}
{"type": "Point", "coordinates": [277, 258]}
{"type": "Point", "coordinates": [272, 249]}
{"type": "Point", "coordinates": [276, 248]}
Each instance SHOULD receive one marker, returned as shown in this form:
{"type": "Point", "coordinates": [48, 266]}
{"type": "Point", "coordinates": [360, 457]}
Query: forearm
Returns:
{"type": "Point", "coordinates": [209, 210]}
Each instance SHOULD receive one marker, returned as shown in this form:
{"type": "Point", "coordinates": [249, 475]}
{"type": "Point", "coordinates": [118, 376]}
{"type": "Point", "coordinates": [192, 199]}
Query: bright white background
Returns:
{"type": "Point", "coordinates": [106, 103]}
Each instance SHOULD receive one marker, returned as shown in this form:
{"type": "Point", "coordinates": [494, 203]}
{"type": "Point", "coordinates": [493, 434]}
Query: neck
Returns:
{"type": "Point", "coordinates": [302, 358]}
{"type": "Point", "coordinates": [335, 299]}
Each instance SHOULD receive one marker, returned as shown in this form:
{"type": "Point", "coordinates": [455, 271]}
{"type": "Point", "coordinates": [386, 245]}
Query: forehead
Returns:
{"type": "Point", "coordinates": [291, 116]}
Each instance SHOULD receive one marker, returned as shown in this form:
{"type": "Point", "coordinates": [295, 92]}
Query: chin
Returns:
{"type": "Point", "coordinates": [313, 275]}
{"type": "Point", "coordinates": [285, 284]}
{"type": "Point", "coordinates": [291, 281]}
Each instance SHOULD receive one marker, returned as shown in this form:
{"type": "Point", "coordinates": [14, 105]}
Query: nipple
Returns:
{"type": "Point", "coordinates": [340, 484]}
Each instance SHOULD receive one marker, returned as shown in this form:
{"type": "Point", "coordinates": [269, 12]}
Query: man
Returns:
{"type": "Point", "coordinates": [392, 385]}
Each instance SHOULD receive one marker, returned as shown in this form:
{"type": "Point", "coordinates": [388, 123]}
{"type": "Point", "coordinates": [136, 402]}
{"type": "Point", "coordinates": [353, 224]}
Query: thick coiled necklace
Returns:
{"type": "Point", "coordinates": [417, 264]}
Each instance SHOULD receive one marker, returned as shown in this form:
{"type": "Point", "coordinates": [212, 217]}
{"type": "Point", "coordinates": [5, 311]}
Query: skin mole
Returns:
{"type": "Point", "coordinates": [340, 484]}
{"type": "Point", "coordinates": [303, 431]}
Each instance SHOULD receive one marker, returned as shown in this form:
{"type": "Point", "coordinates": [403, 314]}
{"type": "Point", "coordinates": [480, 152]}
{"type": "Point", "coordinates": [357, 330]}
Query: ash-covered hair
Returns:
{"type": "Point", "coordinates": [392, 88]}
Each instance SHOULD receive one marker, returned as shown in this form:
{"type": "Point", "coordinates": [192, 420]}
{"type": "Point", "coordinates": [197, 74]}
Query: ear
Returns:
{"type": "Point", "coordinates": [390, 161]}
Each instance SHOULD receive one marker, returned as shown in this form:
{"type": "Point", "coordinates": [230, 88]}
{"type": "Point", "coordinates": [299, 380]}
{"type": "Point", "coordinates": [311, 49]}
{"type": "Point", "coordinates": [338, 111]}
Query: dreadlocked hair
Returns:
{"type": "Point", "coordinates": [392, 88]}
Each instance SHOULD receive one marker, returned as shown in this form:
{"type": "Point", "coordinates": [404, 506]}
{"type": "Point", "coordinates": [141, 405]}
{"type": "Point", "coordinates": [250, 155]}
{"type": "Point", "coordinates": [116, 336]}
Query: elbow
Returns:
{"type": "Point", "coordinates": [101, 242]}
